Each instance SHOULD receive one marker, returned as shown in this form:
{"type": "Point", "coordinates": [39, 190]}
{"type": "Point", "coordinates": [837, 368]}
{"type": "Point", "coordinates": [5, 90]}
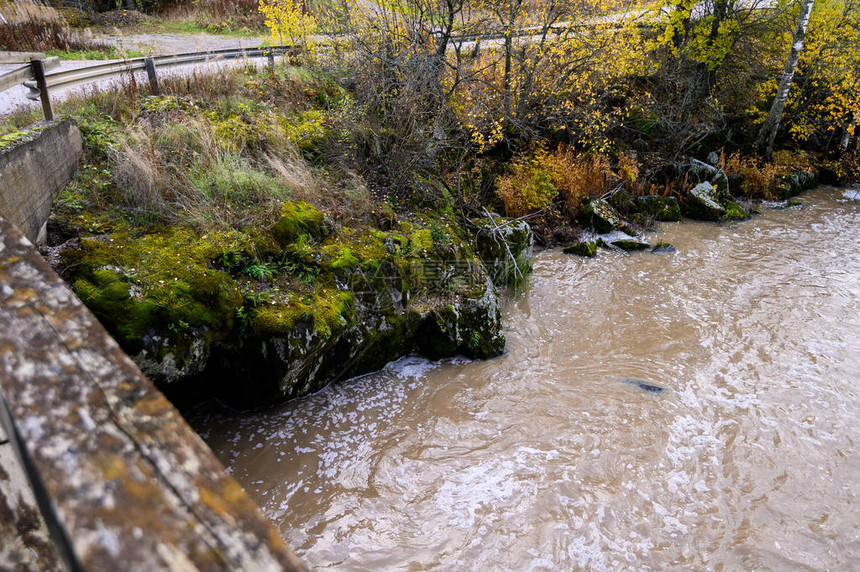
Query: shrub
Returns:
{"type": "Point", "coordinates": [34, 28]}
{"type": "Point", "coordinates": [528, 188]}
{"type": "Point", "coordinates": [759, 180]}
{"type": "Point", "coordinates": [579, 178]}
{"type": "Point", "coordinates": [219, 16]}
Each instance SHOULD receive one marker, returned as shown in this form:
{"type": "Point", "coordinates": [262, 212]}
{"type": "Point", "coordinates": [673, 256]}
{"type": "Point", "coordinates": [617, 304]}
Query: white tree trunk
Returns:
{"type": "Point", "coordinates": [767, 134]}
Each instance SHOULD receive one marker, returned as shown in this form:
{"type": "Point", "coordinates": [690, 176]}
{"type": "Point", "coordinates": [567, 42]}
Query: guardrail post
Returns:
{"type": "Point", "coordinates": [271, 57]}
{"type": "Point", "coordinates": [38, 67]}
{"type": "Point", "coordinates": [149, 64]}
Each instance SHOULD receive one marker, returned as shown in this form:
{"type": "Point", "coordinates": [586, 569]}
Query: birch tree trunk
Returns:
{"type": "Point", "coordinates": [767, 134]}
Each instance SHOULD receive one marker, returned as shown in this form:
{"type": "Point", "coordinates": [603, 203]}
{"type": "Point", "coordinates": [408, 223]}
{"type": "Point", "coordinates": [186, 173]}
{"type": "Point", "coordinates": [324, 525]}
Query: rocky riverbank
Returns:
{"type": "Point", "coordinates": [617, 221]}
{"type": "Point", "coordinates": [280, 312]}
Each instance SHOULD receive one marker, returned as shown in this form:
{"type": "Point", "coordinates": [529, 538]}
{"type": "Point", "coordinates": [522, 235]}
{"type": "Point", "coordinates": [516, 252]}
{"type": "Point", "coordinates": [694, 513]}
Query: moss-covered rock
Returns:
{"type": "Point", "coordinates": [159, 295]}
{"type": "Point", "coordinates": [630, 245]}
{"type": "Point", "coordinates": [296, 218]}
{"type": "Point", "coordinates": [599, 215]}
{"type": "Point", "coordinates": [701, 203]}
{"type": "Point", "coordinates": [662, 248]}
{"type": "Point", "coordinates": [663, 209]}
{"type": "Point", "coordinates": [505, 246]}
{"type": "Point", "coordinates": [278, 313]}
{"type": "Point", "coordinates": [586, 248]}
{"type": "Point", "coordinates": [795, 183]}
{"type": "Point", "coordinates": [734, 211]}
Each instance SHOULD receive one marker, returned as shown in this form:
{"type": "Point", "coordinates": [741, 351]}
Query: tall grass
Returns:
{"type": "Point", "coordinates": [35, 28]}
{"type": "Point", "coordinates": [216, 151]}
{"type": "Point", "coordinates": [219, 16]}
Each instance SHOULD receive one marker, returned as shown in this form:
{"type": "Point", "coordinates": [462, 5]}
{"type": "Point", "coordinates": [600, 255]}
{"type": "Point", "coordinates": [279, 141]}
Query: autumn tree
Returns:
{"type": "Point", "coordinates": [544, 68]}
{"type": "Point", "coordinates": [705, 54]}
{"type": "Point", "coordinates": [288, 21]}
{"type": "Point", "coordinates": [823, 108]}
{"type": "Point", "coordinates": [767, 134]}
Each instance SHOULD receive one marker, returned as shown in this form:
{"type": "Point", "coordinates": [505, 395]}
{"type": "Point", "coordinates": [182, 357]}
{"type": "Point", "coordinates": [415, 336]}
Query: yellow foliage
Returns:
{"type": "Point", "coordinates": [830, 68]}
{"type": "Point", "coordinates": [578, 178]}
{"type": "Point", "coordinates": [288, 21]}
{"type": "Point", "coordinates": [527, 189]}
{"type": "Point", "coordinates": [759, 179]}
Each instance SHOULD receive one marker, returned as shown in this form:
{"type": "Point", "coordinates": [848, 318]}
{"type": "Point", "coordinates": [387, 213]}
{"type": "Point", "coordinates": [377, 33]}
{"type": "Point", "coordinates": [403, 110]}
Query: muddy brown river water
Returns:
{"type": "Point", "coordinates": [551, 458]}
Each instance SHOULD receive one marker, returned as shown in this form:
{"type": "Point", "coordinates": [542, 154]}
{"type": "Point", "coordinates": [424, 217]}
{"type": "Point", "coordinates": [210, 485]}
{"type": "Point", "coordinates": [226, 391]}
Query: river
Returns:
{"type": "Point", "coordinates": [560, 455]}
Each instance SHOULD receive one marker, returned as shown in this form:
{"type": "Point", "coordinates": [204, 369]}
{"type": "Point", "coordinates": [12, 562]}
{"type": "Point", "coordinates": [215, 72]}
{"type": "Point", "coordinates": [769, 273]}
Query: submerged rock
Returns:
{"type": "Point", "coordinates": [794, 184]}
{"type": "Point", "coordinates": [585, 248]}
{"type": "Point", "coordinates": [701, 204]}
{"type": "Point", "coordinates": [734, 211]}
{"type": "Point", "coordinates": [630, 245]}
{"type": "Point", "coordinates": [599, 215]}
{"type": "Point", "coordinates": [643, 385]}
{"type": "Point", "coordinates": [663, 248]}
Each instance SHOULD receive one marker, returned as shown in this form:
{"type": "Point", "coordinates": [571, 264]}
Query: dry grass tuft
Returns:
{"type": "Point", "coordinates": [218, 15]}
{"type": "Point", "coordinates": [759, 180]}
{"type": "Point", "coordinates": [183, 172]}
{"type": "Point", "coordinates": [36, 28]}
{"type": "Point", "coordinates": [579, 178]}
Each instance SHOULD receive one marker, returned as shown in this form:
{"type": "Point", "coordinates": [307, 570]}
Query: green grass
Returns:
{"type": "Point", "coordinates": [111, 54]}
{"type": "Point", "coordinates": [190, 27]}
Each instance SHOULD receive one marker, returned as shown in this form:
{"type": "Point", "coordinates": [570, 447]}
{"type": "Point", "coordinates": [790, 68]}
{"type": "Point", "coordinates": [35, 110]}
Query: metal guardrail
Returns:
{"type": "Point", "coordinates": [68, 78]}
{"type": "Point", "coordinates": [24, 73]}
{"type": "Point", "coordinates": [34, 76]}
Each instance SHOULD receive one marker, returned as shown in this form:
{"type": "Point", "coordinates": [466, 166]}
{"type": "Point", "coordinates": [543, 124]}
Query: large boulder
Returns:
{"type": "Point", "coordinates": [794, 184]}
{"type": "Point", "coordinates": [280, 312]}
{"type": "Point", "coordinates": [599, 215]}
{"type": "Point", "coordinates": [702, 204]}
{"type": "Point", "coordinates": [506, 247]}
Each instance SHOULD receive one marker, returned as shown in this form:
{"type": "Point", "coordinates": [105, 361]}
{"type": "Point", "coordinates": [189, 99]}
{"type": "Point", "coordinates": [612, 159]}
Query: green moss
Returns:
{"type": "Point", "coordinates": [630, 245]}
{"type": "Point", "coordinates": [664, 209]}
{"type": "Point", "coordinates": [345, 259]}
{"type": "Point", "coordinates": [734, 211]}
{"type": "Point", "coordinates": [324, 311]}
{"type": "Point", "coordinates": [421, 240]}
{"type": "Point", "coordinates": [298, 217]}
{"type": "Point", "coordinates": [10, 140]}
{"type": "Point", "coordinates": [157, 284]}
{"type": "Point", "coordinates": [307, 129]}
{"type": "Point", "coordinates": [587, 248]}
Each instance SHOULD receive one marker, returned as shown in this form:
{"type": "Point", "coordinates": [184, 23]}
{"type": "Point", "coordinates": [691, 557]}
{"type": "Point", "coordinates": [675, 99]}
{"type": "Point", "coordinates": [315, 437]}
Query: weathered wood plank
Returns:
{"type": "Point", "coordinates": [131, 482]}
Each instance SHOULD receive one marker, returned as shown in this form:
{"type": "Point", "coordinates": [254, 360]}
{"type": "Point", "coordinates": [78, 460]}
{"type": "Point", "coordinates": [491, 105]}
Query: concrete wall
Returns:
{"type": "Point", "coordinates": [120, 480]}
{"type": "Point", "coordinates": [34, 170]}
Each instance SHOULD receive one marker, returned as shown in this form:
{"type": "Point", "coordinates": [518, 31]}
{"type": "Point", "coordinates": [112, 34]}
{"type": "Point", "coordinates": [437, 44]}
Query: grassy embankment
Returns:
{"type": "Point", "coordinates": [222, 215]}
